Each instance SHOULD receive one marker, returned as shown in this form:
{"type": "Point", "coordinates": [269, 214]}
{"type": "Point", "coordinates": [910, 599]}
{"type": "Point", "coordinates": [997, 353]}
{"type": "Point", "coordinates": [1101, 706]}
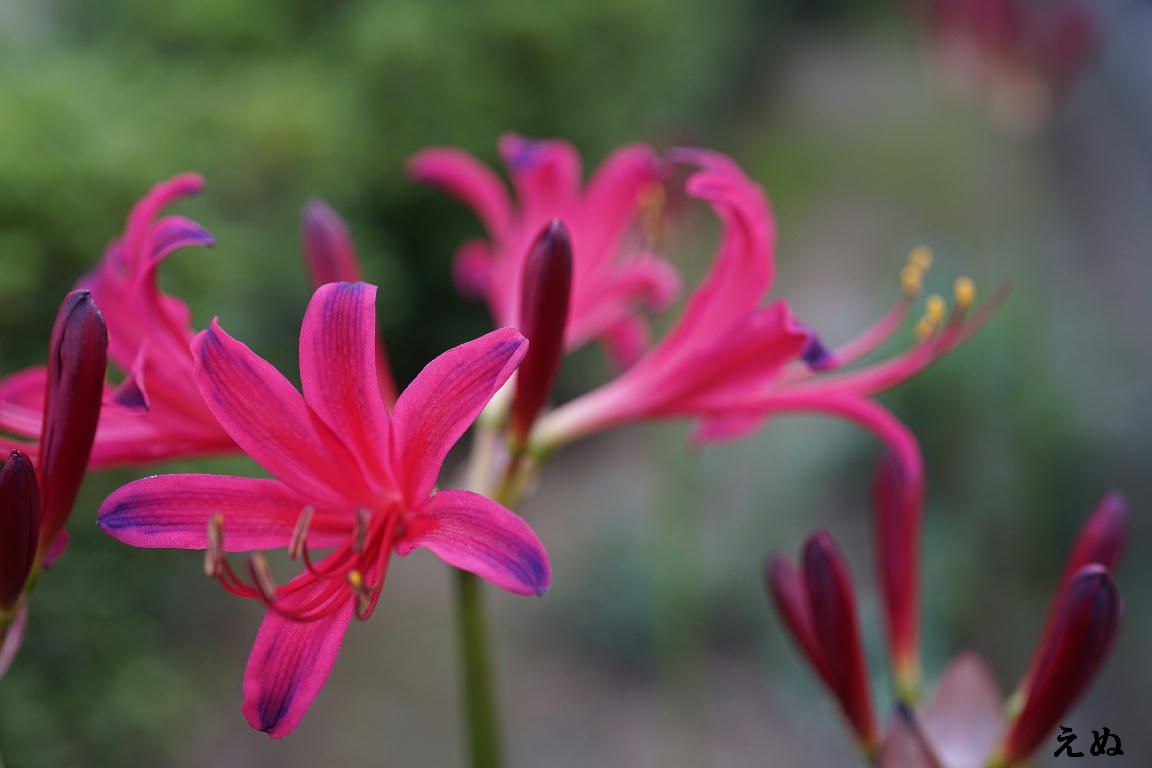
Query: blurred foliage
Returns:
{"type": "Point", "coordinates": [276, 102]}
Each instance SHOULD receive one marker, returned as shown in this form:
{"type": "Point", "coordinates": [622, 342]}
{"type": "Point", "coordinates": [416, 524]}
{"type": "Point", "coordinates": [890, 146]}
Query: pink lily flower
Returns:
{"type": "Point", "coordinates": [967, 723]}
{"type": "Point", "coordinates": [615, 272]}
{"type": "Point", "coordinates": [156, 413]}
{"type": "Point", "coordinates": [35, 506]}
{"type": "Point", "coordinates": [731, 362]}
{"type": "Point", "coordinates": [350, 475]}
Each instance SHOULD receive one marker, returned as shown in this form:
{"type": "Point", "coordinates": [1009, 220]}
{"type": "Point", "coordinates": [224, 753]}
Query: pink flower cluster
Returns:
{"type": "Point", "coordinates": [354, 467]}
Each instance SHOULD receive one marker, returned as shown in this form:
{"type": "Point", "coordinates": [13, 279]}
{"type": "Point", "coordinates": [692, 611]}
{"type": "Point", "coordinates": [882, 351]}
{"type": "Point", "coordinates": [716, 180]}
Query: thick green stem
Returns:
{"type": "Point", "coordinates": [480, 707]}
{"type": "Point", "coordinates": [502, 481]}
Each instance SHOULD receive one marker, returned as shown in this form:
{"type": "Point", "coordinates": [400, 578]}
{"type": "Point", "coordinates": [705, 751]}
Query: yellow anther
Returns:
{"type": "Point", "coordinates": [911, 279]}
{"type": "Point", "coordinates": [921, 256]}
{"type": "Point", "coordinates": [356, 579]}
{"type": "Point", "coordinates": [934, 309]}
{"type": "Point", "coordinates": [965, 292]}
{"type": "Point", "coordinates": [925, 327]}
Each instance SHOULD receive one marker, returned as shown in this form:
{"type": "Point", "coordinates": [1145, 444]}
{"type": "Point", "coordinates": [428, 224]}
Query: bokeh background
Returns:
{"type": "Point", "coordinates": [656, 646]}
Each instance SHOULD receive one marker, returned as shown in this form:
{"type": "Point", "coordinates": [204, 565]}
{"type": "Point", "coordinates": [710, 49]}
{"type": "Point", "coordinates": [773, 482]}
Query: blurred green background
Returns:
{"type": "Point", "coordinates": [655, 646]}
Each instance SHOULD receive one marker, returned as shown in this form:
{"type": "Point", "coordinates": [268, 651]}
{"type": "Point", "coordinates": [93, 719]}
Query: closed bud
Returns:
{"type": "Point", "coordinates": [787, 591]}
{"type": "Point", "coordinates": [77, 363]}
{"type": "Point", "coordinates": [544, 297]}
{"type": "Point", "coordinates": [836, 628]}
{"type": "Point", "coordinates": [1069, 656]}
{"type": "Point", "coordinates": [897, 500]}
{"type": "Point", "coordinates": [19, 528]}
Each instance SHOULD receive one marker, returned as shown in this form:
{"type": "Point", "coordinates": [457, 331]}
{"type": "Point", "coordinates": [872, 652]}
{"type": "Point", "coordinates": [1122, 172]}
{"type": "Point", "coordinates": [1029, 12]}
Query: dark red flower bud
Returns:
{"type": "Point", "coordinates": [1100, 541]}
{"type": "Point", "coordinates": [787, 590]}
{"type": "Point", "coordinates": [19, 527]}
{"type": "Point", "coordinates": [546, 287]}
{"type": "Point", "coordinates": [1068, 657]}
{"type": "Point", "coordinates": [331, 258]}
{"type": "Point", "coordinates": [77, 362]}
{"type": "Point", "coordinates": [1101, 538]}
{"type": "Point", "coordinates": [897, 500]}
{"type": "Point", "coordinates": [837, 631]}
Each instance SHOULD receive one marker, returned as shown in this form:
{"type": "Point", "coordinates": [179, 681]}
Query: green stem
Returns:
{"type": "Point", "coordinates": [476, 673]}
{"type": "Point", "coordinates": [477, 670]}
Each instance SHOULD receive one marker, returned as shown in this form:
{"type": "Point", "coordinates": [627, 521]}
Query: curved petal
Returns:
{"type": "Point", "coordinates": [270, 421]}
{"type": "Point", "coordinates": [545, 173]}
{"type": "Point", "coordinates": [22, 401]}
{"type": "Point", "coordinates": [462, 175]}
{"type": "Point", "coordinates": [289, 664]}
{"type": "Point", "coordinates": [472, 269]}
{"type": "Point", "coordinates": [328, 250]}
{"type": "Point", "coordinates": [476, 534]}
{"type": "Point", "coordinates": [443, 401]}
{"type": "Point", "coordinates": [338, 371]}
{"type": "Point", "coordinates": [614, 195]}
{"type": "Point", "coordinates": [172, 511]}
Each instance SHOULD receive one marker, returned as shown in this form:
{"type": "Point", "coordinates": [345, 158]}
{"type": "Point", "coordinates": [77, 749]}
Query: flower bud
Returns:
{"type": "Point", "coordinates": [19, 528]}
{"type": "Point", "coordinates": [77, 362]}
{"type": "Point", "coordinates": [897, 504]}
{"type": "Point", "coordinates": [787, 590]}
{"type": "Point", "coordinates": [836, 628]}
{"type": "Point", "coordinates": [544, 296]}
{"type": "Point", "coordinates": [1067, 659]}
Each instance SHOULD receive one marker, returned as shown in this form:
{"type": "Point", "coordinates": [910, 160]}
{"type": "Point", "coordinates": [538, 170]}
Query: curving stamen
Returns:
{"type": "Point", "coordinates": [360, 536]}
{"type": "Point", "coordinates": [214, 552]}
{"type": "Point", "coordinates": [261, 574]}
{"type": "Point", "coordinates": [299, 541]}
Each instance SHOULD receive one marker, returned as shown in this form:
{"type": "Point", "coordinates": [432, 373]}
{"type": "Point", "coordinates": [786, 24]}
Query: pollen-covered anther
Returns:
{"type": "Point", "coordinates": [911, 279]}
{"type": "Point", "coordinates": [965, 292]}
{"type": "Point", "coordinates": [934, 311]}
{"type": "Point", "coordinates": [214, 552]}
{"type": "Point", "coordinates": [300, 533]}
{"type": "Point", "coordinates": [262, 576]}
{"type": "Point", "coordinates": [912, 275]}
{"type": "Point", "coordinates": [654, 221]}
{"type": "Point", "coordinates": [362, 592]}
{"type": "Point", "coordinates": [921, 256]}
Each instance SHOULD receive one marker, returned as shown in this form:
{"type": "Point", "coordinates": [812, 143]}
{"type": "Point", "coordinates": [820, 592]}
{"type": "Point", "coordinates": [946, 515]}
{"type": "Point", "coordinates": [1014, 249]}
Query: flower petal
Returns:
{"type": "Point", "coordinates": [338, 371]}
{"type": "Point", "coordinates": [465, 177]}
{"type": "Point", "coordinates": [328, 250]}
{"type": "Point", "coordinates": [545, 173]}
{"type": "Point", "coordinates": [269, 419]}
{"type": "Point", "coordinates": [965, 717]}
{"type": "Point", "coordinates": [172, 511]}
{"type": "Point", "coordinates": [443, 401]}
{"type": "Point", "coordinates": [476, 534]}
{"type": "Point", "coordinates": [289, 664]}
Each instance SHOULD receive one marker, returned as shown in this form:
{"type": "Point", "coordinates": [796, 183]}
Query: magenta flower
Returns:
{"type": "Point", "coordinates": [963, 724]}
{"type": "Point", "coordinates": [34, 506]}
{"type": "Point", "coordinates": [156, 413]}
{"type": "Point", "coordinates": [731, 362]}
{"type": "Point", "coordinates": [615, 273]}
{"type": "Point", "coordinates": [349, 475]}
